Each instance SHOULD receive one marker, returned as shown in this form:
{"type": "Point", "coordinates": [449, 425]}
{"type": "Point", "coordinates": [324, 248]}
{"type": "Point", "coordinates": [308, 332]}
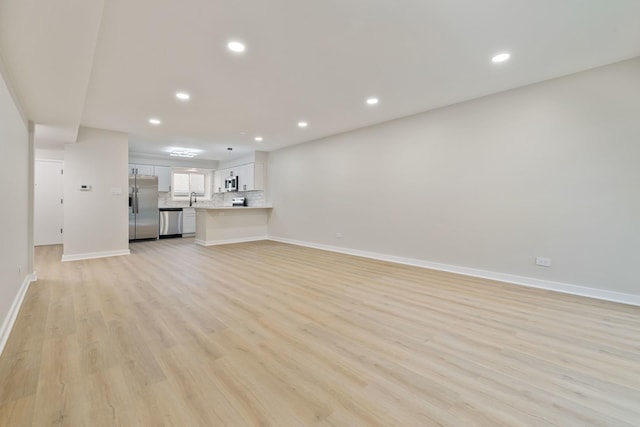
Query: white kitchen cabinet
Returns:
{"type": "Point", "coordinates": [141, 169]}
{"type": "Point", "coordinates": [188, 221]}
{"type": "Point", "coordinates": [251, 177]}
{"type": "Point", "coordinates": [164, 178]}
{"type": "Point", "coordinates": [245, 177]}
{"type": "Point", "coordinates": [218, 180]}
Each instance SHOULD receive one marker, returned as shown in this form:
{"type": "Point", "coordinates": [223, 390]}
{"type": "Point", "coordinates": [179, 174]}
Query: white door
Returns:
{"type": "Point", "coordinates": [47, 203]}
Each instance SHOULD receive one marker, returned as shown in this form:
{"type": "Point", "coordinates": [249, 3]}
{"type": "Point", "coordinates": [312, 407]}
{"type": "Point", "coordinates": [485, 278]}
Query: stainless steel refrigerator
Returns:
{"type": "Point", "coordinates": [143, 207]}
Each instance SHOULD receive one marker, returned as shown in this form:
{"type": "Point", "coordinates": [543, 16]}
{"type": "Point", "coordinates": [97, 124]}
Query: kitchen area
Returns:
{"type": "Point", "coordinates": [216, 206]}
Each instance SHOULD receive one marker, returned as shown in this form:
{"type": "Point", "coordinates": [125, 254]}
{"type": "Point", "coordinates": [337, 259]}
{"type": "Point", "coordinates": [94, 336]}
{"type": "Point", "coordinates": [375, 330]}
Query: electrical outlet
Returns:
{"type": "Point", "coordinates": [338, 235]}
{"type": "Point", "coordinates": [543, 262]}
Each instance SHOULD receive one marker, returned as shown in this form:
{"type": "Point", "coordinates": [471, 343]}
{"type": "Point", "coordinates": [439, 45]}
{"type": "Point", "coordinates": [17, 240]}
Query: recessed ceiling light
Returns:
{"type": "Point", "coordinates": [258, 138]}
{"type": "Point", "coordinates": [303, 124]}
{"type": "Point", "coordinates": [183, 153]}
{"type": "Point", "coordinates": [236, 46]}
{"type": "Point", "coordinates": [372, 101]}
{"type": "Point", "coordinates": [501, 57]}
{"type": "Point", "coordinates": [154, 121]}
{"type": "Point", "coordinates": [183, 96]}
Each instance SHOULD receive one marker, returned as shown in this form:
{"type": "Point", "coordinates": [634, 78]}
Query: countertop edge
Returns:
{"type": "Point", "coordinates": [212, 208]}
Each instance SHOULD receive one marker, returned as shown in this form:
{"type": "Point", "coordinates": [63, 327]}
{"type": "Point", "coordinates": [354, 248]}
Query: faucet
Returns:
{"type": "Point", "coordinates": [195, 200]}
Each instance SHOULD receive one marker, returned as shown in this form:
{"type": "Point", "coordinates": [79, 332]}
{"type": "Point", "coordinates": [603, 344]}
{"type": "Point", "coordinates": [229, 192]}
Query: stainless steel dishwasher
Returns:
{"type": "Point", "coordinates": [170, 222]}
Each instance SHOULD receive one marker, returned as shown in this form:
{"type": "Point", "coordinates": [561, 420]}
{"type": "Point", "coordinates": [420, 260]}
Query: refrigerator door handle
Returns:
{"type": "Point", "coordinates": [136, 203]}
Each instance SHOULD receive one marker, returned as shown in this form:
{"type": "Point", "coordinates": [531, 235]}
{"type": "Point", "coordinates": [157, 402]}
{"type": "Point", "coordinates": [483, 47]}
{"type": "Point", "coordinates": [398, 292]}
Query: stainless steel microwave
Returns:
{"type": "Point", "coordinates": [231, 183]}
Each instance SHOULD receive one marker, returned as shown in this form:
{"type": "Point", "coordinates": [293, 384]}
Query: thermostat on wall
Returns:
{"type": "Point", "coordinates": [84, 187]}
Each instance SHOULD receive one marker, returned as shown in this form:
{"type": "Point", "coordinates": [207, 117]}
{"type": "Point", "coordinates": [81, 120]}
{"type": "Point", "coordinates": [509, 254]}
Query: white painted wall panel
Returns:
{"type": "Point", "coordinates": [546, 170]}
{"type": "Point", "coordinates": [16, 261]}
{"type": "Point", "coordinates": [96, 222]}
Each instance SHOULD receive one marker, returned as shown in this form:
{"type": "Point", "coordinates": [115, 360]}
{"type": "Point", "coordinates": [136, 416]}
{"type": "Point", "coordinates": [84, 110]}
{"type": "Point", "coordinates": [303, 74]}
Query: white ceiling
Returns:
{"type": "Point", "coordinates": [115, 64]}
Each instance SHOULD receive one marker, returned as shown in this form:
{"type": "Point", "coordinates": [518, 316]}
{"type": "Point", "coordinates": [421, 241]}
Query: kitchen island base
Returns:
{"type": "Point", "coordinates": [219, 226]}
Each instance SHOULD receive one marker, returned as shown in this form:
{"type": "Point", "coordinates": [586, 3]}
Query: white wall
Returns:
{"type": "Point", "coordinates": [49, 154]}
{"type": "Point", "coordinates": [96, 222]}
{"type": "Point", "coordinates": [551, 169]}
{"type": "Point", "coordinates": [16, 251]}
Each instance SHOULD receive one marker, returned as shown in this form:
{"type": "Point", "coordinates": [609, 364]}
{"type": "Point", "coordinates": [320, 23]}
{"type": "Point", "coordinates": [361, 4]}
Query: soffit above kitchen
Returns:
{"type": "Point", "coordinates": [116, 64]}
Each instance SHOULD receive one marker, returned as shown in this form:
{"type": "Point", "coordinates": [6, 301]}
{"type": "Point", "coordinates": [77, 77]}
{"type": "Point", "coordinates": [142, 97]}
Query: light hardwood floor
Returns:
{"type": "Point", "coordinates": [271, 334]}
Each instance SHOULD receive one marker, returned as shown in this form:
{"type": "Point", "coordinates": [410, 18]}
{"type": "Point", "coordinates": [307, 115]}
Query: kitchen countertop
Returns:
{"type": "Point", "coordinates": [232, 207]}
{"type": "Point", "coordinates": [212, 207]}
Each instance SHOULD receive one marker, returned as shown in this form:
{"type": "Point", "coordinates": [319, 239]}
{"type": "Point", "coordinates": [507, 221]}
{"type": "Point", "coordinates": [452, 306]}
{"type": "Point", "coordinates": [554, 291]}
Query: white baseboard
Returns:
{"type": "Point", "coordinates": [227, 241]}
{"type": "Point", "coordinates": [12, 315]}
{"type": "Point", "coordinates": [531, 282]}
{"type": "Point", "coordinates": [92, 255]}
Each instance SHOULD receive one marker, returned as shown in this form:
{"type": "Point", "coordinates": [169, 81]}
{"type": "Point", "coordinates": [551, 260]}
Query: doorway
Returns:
{"type": "Point", "coordinates": [48, 214]}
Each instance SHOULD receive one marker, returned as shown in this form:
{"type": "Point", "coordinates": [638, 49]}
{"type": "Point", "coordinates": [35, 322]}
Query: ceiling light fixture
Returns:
{"type": "Point", "coordinates": [258, 138]}
{"type": "Point", "coordinates": [372, 101]}
{"type": "Point", "coordinates": [155, 121]}
{"type": "Point", "coordinates": [183, 153]}
{"type": "Point", "coordinates": [303, 124]}
{"type": "Point", "coordinates": [501, 57]}
{"type": "Point", "coordinates": [236, 47]}
{"type": "Point", "coordinates": [183, 96]}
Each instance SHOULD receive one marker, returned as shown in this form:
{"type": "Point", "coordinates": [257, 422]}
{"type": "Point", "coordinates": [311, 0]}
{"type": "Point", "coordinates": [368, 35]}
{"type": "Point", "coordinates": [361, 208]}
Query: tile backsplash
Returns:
{"type": "Point", "coordinates": [254, 198]}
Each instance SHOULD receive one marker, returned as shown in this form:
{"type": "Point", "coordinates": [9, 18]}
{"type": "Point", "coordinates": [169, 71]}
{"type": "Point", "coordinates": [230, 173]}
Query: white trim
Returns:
{"type": "Point", "coordinates": [10, 320]}
{"type": "Point", "coordinates": [227, 241]}
{"type": "Point", "coordinates": [92, 255]}
{"type": "Point", "coordinates": [531, 282]}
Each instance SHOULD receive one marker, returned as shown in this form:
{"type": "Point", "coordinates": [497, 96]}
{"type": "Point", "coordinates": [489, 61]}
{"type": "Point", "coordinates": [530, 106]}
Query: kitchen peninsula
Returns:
{"type": "Point", "coordinates": [221, 225]}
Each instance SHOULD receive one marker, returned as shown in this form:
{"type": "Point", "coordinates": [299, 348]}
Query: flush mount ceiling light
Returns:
{"type": "Point", "coordinates": [501, 57]}
{"type": "Point", "coordinates": [154, 121]}
{"type": "Point", "coordinates": [183, 96]}
{"type": "Point", "coordinates": [303, 124]}
{"type": "Point", "coordinates": [258, 139]}
{"type": "Point", "coordinates": [236, 46]}
{"type": "Point", "coordinates": [372, 101]}
{"type": "Point", "coordinates": [183, 153]}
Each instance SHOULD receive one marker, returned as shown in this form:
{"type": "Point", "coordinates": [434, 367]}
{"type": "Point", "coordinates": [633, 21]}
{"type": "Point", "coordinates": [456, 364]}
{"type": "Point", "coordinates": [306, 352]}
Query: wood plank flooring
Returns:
{"type": "Point", "coordinates": [269, 334]}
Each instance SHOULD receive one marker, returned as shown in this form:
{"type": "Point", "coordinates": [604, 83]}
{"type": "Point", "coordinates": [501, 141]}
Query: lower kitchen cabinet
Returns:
{"type": "Point", "coordinates": [188, 221]}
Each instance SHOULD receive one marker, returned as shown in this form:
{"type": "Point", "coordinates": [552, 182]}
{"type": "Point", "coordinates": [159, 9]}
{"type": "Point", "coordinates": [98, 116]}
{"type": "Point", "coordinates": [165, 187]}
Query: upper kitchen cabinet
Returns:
{"type": "Point", "coordinates": [162, 172]}
{"type": "Point", "coordinates": [141, 170]}
{"type": "Point", "coordinates": [218, 180]}
{"type": "Point", "coordinates": [164, 178]}
{"type": "Point", "coordinates": [251, 177]}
